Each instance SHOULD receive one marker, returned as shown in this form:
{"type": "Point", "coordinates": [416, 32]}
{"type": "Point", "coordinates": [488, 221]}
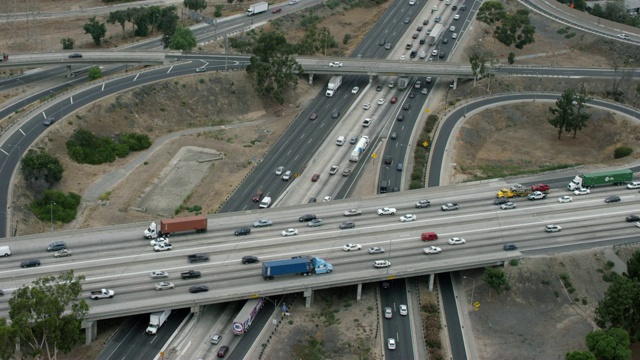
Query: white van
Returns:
{"type": "Point", "coordinates": [340, 140]}
{"type": "Point", "coordinates": [5, 251]}
{"type": "Point", "coordinates": [266, 202]}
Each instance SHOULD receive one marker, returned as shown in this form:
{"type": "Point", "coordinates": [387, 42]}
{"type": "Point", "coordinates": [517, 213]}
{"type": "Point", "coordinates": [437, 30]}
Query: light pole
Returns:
{"type": "Point", "coordinates": [326, 34]}
{"type": "Point", "coordinates": [473, 287]}
{"type": "Point", "coordinates": [51, 208]}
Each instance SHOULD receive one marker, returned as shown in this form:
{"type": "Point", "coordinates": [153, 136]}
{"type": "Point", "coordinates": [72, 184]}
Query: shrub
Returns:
{"type": "Point", "coordinates": [56, 206]}
{"type": "Point", "coordinates": [622, 151]}
{"type": "Point", "coordinates": [84, 147]}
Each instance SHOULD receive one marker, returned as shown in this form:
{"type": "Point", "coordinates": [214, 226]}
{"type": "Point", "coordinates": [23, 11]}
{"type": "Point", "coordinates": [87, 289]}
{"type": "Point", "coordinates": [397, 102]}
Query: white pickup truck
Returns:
{"type": "Point", "coordinates": [102, 294]}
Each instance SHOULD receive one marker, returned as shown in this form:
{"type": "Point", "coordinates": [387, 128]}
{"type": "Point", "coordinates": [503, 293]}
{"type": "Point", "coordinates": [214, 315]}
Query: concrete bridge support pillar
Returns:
{"type": "Point", "coordinates": [432, 278]}
{"type": "Point", "coordinates": [371, 77]}
{"type": "Point", "coordinates": [68, 75]}
{"type": "Point", "coordinates": [310, 78]}
{"type": "Point", "coordinates": [359, 292]}
{"type": "Point", "coordinates": [308, 295]}
{"type": "Point", "coordinates": [90, 331]}
{"type": "Point", "coordinates": [454, 84]}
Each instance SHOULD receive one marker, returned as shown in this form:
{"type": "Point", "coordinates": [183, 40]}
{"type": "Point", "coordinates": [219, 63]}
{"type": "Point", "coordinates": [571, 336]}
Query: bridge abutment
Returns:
{"type": "Point", "coordinates": [432, 278]}
{"type": "Point", "coordinates": [359, 292]}
{"type": "Point", "coordinates": [90, 330]}
{"type": "Point", "coordinates": [310, 78]}
{"type": "Point", "coordinates": [308, 297]}
{"type": "Point", "coordinates": [68, 74]}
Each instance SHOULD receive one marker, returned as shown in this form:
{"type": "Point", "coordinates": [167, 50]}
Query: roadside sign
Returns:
{"type": "Point", "coordinates": [374, 155]}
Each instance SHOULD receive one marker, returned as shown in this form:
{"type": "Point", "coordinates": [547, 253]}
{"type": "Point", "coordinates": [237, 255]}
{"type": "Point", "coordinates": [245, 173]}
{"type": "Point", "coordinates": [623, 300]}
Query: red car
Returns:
{"type": "Point", "coordinates": [276, 10]}
{"type": "Point", "coordinates": [222, 352]}
{"type": "Point", "coordinates": [315, 177]}
{"type": "Point", "coordinates": [394, 99]}
{"type": "Point", "coordinates": [257, 197]}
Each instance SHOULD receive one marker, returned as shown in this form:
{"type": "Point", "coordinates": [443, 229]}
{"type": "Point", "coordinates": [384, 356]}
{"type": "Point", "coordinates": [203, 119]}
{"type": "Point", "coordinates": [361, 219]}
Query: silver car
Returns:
{"type": "Point", "coordinates": [262, 223]}
{"type": "Point", "coordinates": [279, 170]}
{"type": "Point", "coordinates": [315, 223]}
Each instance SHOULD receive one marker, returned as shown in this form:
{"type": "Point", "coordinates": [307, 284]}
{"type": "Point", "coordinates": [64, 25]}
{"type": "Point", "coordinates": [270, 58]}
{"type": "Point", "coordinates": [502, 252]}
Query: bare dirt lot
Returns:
{"type": "Point", "coordinates": [245, 131]}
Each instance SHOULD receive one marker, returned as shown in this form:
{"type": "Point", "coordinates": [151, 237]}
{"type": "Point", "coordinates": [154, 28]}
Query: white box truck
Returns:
{"type": "Point", "coordinates": [334, 84]}
{"type": "Point", "coordinates": [257, 8]}
{"type": "Point", "coordinates": [156, 320]}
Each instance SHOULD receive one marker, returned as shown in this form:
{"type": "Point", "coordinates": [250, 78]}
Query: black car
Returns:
{"type": "Point", "coordinates": [445, 40]}
{"type": "Point", "coordinates": [250, 259]}
{"type": "Point", "coordinates": [50, 120]}
{"type": "Point", "coordinates": [381, 42]}
{"type": "Point", "coordinates": [510, 246]}
{"type": "Point", "coordinates": [406, 106]}
{"type": "Point", "coordinates": [242, 231]}
{"type": "Point", "coordinates": [422, 41]}
{"type": "Point", "coordinates": [307, 218]}
{"type": "Point", "coordinates": [75, 56]}
{"type": "Point", "coordinates": [500, 201]}
{"type": "Point", "coordinates": [426, 22]}
{"type": "Point", "coordinates": [379, 88]}
{"type": "Point", "coordinates": [347, 225]}
{"type": "Point", "coordinates": [412, 95]}
{"type": "Point", "coordinates": [413, 54]}
{"type": "Point", "coordinates": [311, 200]}
{"type": "Point", "coordinates": [633, 218]}
{"type": "Point", "coordinates": [30, 263]}
{"type": "Point", "coordinates": [454, 8]}
{"type": "Point", "coordinates": [56, 246]}
{"type": "Point", "coordinates": [400, 117]}
{"type": "Point", "coordinates": [613, 198]}
{"type": "Point", "coordinates": [198, 289]}
{"type": "Point", "coordinates": [336, 114]}
{"type": "Point", "coordinates": [388, 159]}
{"type": "Point", "coordinates": [442, 55]}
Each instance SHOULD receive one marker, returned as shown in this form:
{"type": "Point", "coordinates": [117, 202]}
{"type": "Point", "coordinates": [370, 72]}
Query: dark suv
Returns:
{"type": "Point", "coordinates": [56, 246]}
{"type": "Point", "coordinates": [30, 263]}
{"type": "Point", "coordinates": [242, 231]}
{"type": "Point", "coordinates": [307, 218]}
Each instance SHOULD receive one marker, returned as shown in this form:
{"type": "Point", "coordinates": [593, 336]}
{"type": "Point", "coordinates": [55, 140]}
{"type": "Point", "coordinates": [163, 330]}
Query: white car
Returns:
{"type": "Point", "coordinates": [432, 250]}
{"type": "Point", "coordinates": [407, 218]}
{"type": "Point", "coordinates": [638, 224]}
{"type": "Point", "coordinates": [581, 191]}
{"type": "Point", "coordinates": [290, 232]}
{"type": "Point", "coordinates": [355, 90]}
{"type": "Point", "coordinates": [456, 17]}
{"type": "Point", "coordinates": [403, 58]}
{"type": "Point", "coordinates": [403, 310]}
{"type": "Point", "coordinates": [565, 199]}
{"type": "Point", "coordinates": [159, 274]}
{"type": "Point", "coordinates": [633, 185]}
{"type": "Point", "coordinates": [163, 247]}
{"type": "Point", "coordinates": [391, 343]}
{"type": "Point", "coordinates": [381, 264]}
{"type": "Point", "coordinates": [552, 228]}
{"type": "Point", "coordinates": [376, 250]}
{"type": "Point", "coordinates": [335, 64]}
{"type": "Point", "coordinates": [165, 285]}
{"type": "Point", "coordinates": [508, 205]}
{"type": "Point", "coordinates": [333, 170]}
{"type": "Point", "coordinates": [457, 241]}
{"type": "Point", "coordinates": [434, 53]}
{"type": "Point", "coordinates": [387, 211]}
{"type": "Point", "coordinates": [454, 35]}
{"type": "Point", "coordinates": [624, 36]}
{"type": "Point", "coordinates": [279, 170]}
{"type": "Point", "coordinates": [158, 241]}
{"type": "Point", "coordinates": [366, 106]}
{"type": "Point", "coordinates": [367, 122]}
{"type": "Point", "coordinates": [326, 198]}
{"type": "Point", "coordinates": [381, 101]}
{"type": "Point", "coordinates": [352, 247]}
{"type": "Point", "coordinates": [428, 80]}
{"type": "Point", "coordinates": [287, 175]}
{"type": "Point", "coordinates": [412, 2]}
{"type": "Point", "coordinates": [452, 28]}
{"type": "Point", "coordinates": [388, 313]}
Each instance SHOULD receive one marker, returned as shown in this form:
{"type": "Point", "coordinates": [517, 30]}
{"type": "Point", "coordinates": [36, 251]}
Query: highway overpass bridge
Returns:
{"type": "Point", "coordinates": [310, 65]}
{"type": "Point", "coordinates": [118, 258]}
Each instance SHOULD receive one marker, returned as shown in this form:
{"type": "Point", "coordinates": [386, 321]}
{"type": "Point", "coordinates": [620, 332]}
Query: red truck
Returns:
{"type": "Point", "coordinates": [168, 226]}
{"type": "Point", "coordinates": [5, 57]}
{"type": "Point", "coordinates": [541, 187]}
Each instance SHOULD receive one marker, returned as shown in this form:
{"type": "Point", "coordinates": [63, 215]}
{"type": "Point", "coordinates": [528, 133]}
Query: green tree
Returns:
{"type": "Point", "coordinates": [633, 266]}
{"type": "Point", "coordinates": [612, 344]}
{"type": "Point", "coordinates": [478, 65]}
{"type": "Point", "coordinates": [620, 307]}
{"type": "Point", "coordinates": [120, 17]}
{"type": "Point", "coordinates": [579, 355]}
{"type": "Point", "coordinates": [273, 70]}
{"type": "Point", "coordinates": [154, 14]}
{"type": "Point", "coordinates": [346, 38]}
{"type": "Point", "coordinates": [495, 278]}
{"type": "Point", "coordinates": [563, 112]}
{"type": "Point", "coordinates": [95, 72]}
{"type": "Point", "coordinates": [96, 29]}
{"type": "Point", "coordinates": [55, 206]}
{"type": "Point", "coordinates": [67, 43]}
{"type": "Point", "coordinates": [141, 20]}
{"type": "Point", "coordinates": [218, 10]}
{"type": "Point", "coordinates": [168, 24]}
{"type": "Point", "coordinates": [491, 12]}
{"type": "Point", "coordinates": [8, 340]}
{"type": "Point", "coordinates": [182, 39]}
{"type": "Point", "coordinates": [579, 121]}
{"type": "Point", "coordinates": [46, 316]}
{"type": "Point", "coordinates": [41, 170]}
{"type": "Point", "coordinates": [512, 58]}
{"type": "Point", "coordinates": [195, 5]}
